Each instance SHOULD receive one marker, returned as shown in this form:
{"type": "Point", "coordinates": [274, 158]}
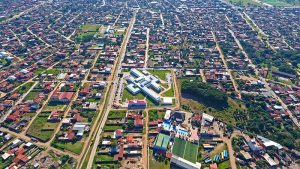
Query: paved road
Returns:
{"type": "Point", "coordinates": [113, 91]}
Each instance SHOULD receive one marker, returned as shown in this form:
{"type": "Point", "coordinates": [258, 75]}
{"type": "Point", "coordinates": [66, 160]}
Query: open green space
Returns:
{"type": "Point", "coordinates": [169, 93]}
{"type": "Point", "coordinates": [160, 73]}
{"type": "Point", "coordinates": [277, 3]}
{"type": "Point", "coordinates": [127, 95]}
{"type": "Point", "coordinates": [24, 88]}
{"type": "Point", "coordinates": [53, 71]}
{"type": "Point", "coordinates": [185, 149]}
{"type": "Point", "coordinates": [36, 128]}
{"type": "Point", "coordinates": [58, 107]}
{"type": "Point", "coordinates": [39, 71]}
{"type": "Point", "coordinates": [155, 114]}
{"type": "Point", "coordinates": [154, 163]}
{"type": "Point", "coordinates": [117, 114]}
{"type": "Point", "coordinates": [74, 147]}
{"type": "Point", "coordinates": [178, 147]}
{"type": "Point", "coordinates": [31, 95]}
{"type": "Point", "coordinates": [104, 158]}
{"type": "Point", "coordinates": [244, 3]}
{"type": "Point", "coordinates": [90, 27]}
{"type": "Point", "coordinates": [224, 165]}
{"type": "Point", "coordinates": [111, 128]}
{"type": "Point", "coordinates": [191, 152]}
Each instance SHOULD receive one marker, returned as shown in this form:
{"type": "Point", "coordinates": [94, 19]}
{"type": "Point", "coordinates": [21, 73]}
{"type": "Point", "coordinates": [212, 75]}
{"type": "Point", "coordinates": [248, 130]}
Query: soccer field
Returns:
{"type": "Point", "coordinates": [185, 149]}
{"type": "Point", "coordinates": [191, 152]}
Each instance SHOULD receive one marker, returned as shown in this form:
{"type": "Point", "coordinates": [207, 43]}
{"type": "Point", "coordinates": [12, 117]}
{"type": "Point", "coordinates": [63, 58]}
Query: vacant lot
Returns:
{"type": "Point", "coordinates": [23, 89]}
{"type": "Point", "coordinates": [69, 146]}
{"type": "Point", "coordinates": [31, 95]}
{"type": "Point", "coordinates": [117, 114]}
{"type": "Point", "coordinates": [160, 73]}
{"type": "Point", "coordinates": [37, 128]}
{"type": "Point", "coordinates": [90, 27]}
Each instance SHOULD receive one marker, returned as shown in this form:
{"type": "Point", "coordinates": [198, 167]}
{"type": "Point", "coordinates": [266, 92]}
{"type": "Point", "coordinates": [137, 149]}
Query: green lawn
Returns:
{"type": "Point", "coordinates": [224, 165]}
{"type": "Point", "coordinates": [39, 71]}
{"type": "Point", "coordinates": [185, 149]}
{"type": "Point", "coordinates": [59, 107]}
{"type": "Point", "coordinates": [53, 71]}
{"type": "Point", "coordinates": [90, 27]}
{"type": "Point", "coordinates": [69, 146]}
{"type": "Point", "coordinates": [36, 128]}
{"type": "Point", "coordinates": [104, 158]}
{"type": "Point", "coordinates": [191, 152]}
{"type": "Point", "coordinates": [244, 2]}
{"type": "Point", "coordinates": [117, 114]}
{"type": "Point", "coordinates": [178, 147]}
{"type": "Point", "coordinates": [24, 88]}
{"type": "Point", "coordinates": [155, 114]}
{"type": "Point", "coordinates": [153, 163]}
{"type": "Point", "coordinates": [114, 127]}
{"type": "Point", "coordinates": [160, 73]}
{"type": "Point", "coordinates": [127, 95]}
{"type": "Point", "coordinates": [277, 3]}
{"type": "Point", "coordinates": [169, 93]}
{"type": "Point", "coordinates": [31, 95]}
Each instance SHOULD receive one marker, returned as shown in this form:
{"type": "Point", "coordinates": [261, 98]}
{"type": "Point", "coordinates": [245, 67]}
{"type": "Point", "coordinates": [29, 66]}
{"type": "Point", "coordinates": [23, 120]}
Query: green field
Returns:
{"type": "Point", "coordinates": [178, 146]}
{"type": "Point", "coordinates": [224, 165]}
{"type": "Point", "coordinates": [160, 73]}
{"type": "Point", "coordinates": [90, 27]}
{"type": "Point", "coordinates": [117, 114]}
{"type": "Point", "coordinates": [244, 2]}
{"type": "Point", "coordinates": [31, 95]}
{"type": "Point", "coordinates": [169, 93]}
{"type": "Point", "coordinates": [24, 88]}
{"type": "Point", "coordinates": [127, 95]}
{"type": "Point", "coordinates": [36, 128]}
{"type": "Point", "coordinates": [155, 114]}
{"type": "Point", "coordinates": [277, 3]}
{"type": "Point", "coordinates": [53, 71]}
{"type": "Point", "coordinates": [153, 163]}
{"type": "Point", "coordinates": [69, 146]}
{"type": "Point", "coordinates": [185, 149]}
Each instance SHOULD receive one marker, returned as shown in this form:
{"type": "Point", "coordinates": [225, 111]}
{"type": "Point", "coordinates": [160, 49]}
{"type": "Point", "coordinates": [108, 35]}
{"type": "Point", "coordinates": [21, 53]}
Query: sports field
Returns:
{"type": "Point", "coordinates": [185, 149]}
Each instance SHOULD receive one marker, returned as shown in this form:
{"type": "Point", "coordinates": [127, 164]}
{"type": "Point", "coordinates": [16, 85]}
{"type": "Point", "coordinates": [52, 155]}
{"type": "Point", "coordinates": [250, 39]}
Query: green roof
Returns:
{"type": "Point", "coordinates": [162, 141]}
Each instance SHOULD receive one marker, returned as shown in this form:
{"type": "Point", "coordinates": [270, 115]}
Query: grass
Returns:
{"type": "Point", "coordinates": [112, 128]}
{"type": "Point", "coordinates": [155, 114]}
{"type": "Point", "coordinates": [58, 107]}
{"type": "Point", "coordinates": [69, 146]}
{"type": "Point", "coordinates": [127, 95]}
{"type": "Point", "coordinates": [90, 27]}
{"type": "Point", "coordinates": [31, 95]}
{"type": "Point", "coordinates": [160, 73]}
{"type": "Point", "coordinates": [226, 115]}
{"type": "Point", "coordinates": [191, 152]}
{"type": "Point", "coordinates": [36, 128]}
{"type": "Point", "coordinates": [224, 165]}
{"type": "Point", "coordinates": [117, 114]}
{"type": "Point", "coordinates": [244, 2]}
{"type": "Point", "coordinates": [104, 158]}
{"type": "Point", "coordinates": [53, 71]}
{"type": "Point", "coordinates": [178, 147]}
{"type": "Point", "coordinates": [39, 71]}
{"type": "Point", "coordinates": [169, 93]}
{"type": "Point", "coordinates": [24, 88]}
{"type": "Point", "coordinates": [156, 164]}
{"type": "Point", "coordinates": [277, 3]}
